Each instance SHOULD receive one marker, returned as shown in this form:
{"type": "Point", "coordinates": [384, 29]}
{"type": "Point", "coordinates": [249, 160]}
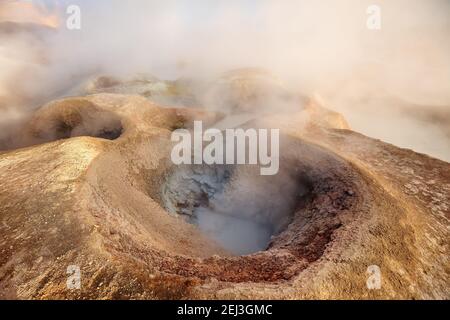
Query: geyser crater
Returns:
{"type": "Point", "coordinates": [233, 204]}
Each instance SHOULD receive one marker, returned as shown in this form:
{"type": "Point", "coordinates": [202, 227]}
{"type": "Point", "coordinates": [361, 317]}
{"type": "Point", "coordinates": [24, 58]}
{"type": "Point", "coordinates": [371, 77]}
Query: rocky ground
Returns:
{"type": "Point", "coordinates": [85, 188]}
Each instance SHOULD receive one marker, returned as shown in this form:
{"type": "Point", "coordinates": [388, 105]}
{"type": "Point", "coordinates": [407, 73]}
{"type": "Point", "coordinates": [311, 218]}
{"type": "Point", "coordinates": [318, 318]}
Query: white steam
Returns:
{"type": "Point", "coordinates": [377, 79]}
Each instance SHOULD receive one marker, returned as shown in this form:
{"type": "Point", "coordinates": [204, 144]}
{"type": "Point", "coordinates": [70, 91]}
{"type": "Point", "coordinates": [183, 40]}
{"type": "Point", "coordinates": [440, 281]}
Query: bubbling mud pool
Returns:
{"type": "Point", "coordinates": [234, 205]}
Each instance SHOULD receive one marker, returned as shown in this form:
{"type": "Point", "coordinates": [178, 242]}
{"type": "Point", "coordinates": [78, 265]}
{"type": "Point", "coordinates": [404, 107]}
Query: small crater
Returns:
{"type": "Point", "coordinates": [234, 205]}
{"type": "Point", "coordinates": [66, 119]}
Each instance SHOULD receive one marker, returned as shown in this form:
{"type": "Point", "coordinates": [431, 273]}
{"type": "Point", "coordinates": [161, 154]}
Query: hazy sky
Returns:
{"type": "Point", "coordinates": [314, 46]}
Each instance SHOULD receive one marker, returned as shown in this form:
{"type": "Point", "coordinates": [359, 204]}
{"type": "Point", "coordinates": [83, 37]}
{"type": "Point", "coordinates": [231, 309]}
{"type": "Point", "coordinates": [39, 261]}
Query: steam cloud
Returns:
{"type": "Point", "coordinates": [392, 84]}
